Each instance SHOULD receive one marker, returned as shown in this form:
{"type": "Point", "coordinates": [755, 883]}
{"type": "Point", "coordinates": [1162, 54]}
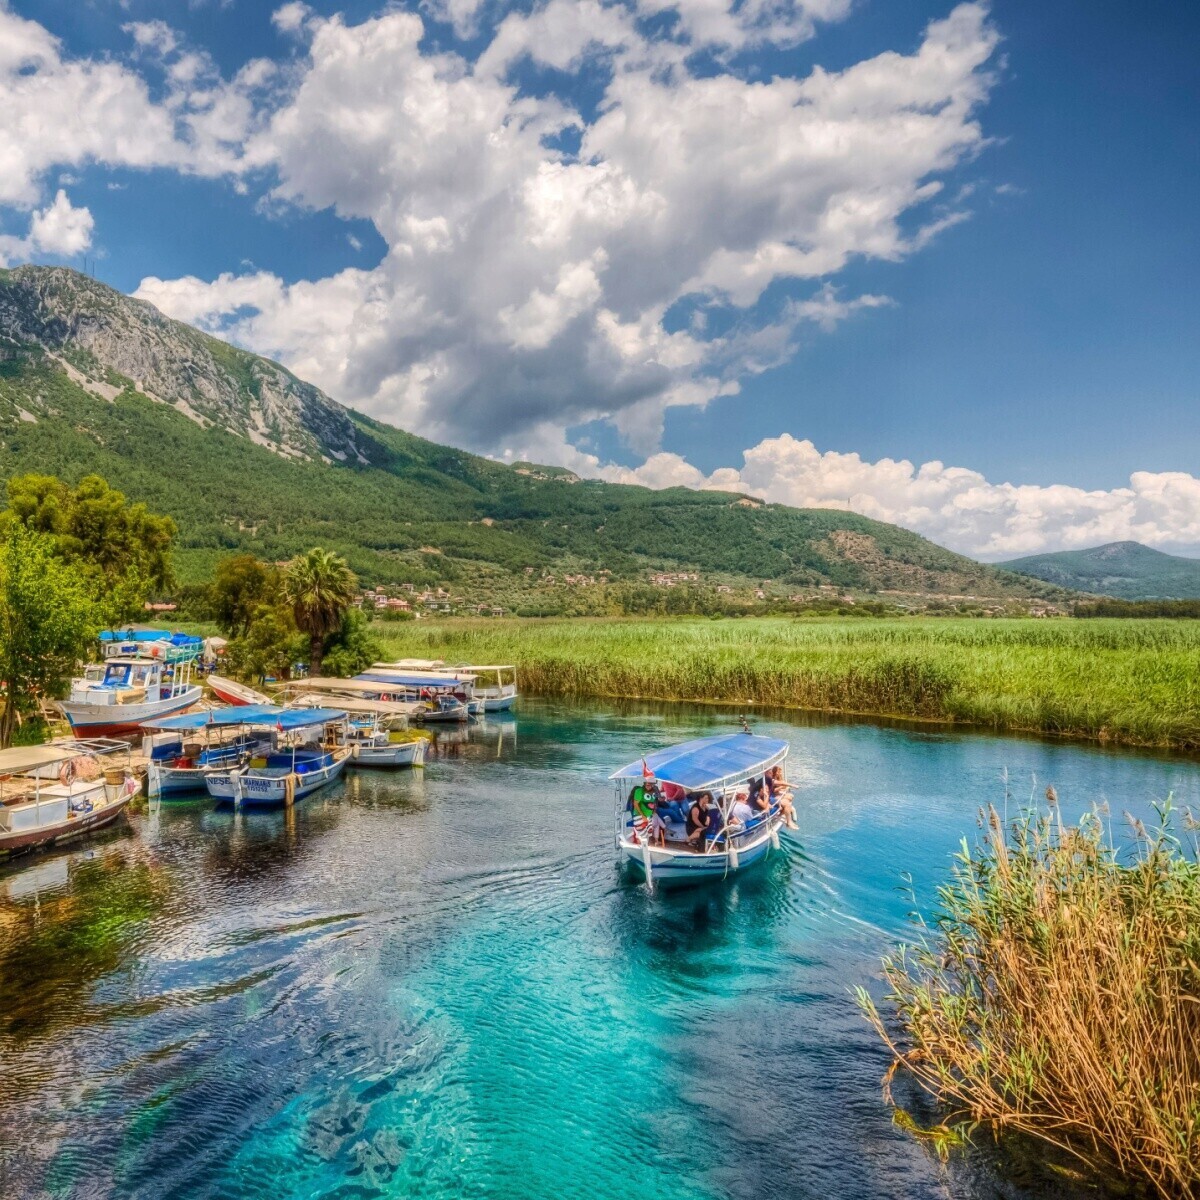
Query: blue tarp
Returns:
{"type": "Point", "coordinates": [150, 635]}
{"type": "Point", "coordinates": [706, 762]}
{"type": "Point", "coordinates": [249, 714]}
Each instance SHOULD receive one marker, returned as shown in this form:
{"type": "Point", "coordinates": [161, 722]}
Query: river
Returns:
{"type": "Point", "coordinates": [434, 984]}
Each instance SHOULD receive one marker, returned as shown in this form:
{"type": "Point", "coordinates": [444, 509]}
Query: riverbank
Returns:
{"type": "Point", "coordinates": [1125, 682]}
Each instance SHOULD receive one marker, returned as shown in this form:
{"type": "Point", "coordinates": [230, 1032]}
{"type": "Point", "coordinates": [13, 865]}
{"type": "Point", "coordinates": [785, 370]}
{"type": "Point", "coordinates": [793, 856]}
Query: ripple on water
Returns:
{"type": "Point", "coordinates": [438, 986]}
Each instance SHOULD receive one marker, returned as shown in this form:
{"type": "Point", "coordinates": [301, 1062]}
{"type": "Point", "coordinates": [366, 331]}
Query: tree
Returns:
{"type": "Point", "coordinates": [320, 587]}
{"type": "Point", "coordinates": [269, 645]}
{"type": "Point", "coordinates": [241, 584]}
{"type": "Point", "coordinates": [123, 550]}
{"type": "Point", "coordinates": [47, 619]}
{"type": "Point", "coordinates": [352, 648]}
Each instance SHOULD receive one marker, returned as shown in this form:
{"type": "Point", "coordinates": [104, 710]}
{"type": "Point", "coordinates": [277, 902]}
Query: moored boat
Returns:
{"type": "Point", "coordinates": [294, 766]}
{"type": "Point", "coordinates": [53, 794]}
{"type": "Point", "coordinates": [439, 697]}
{"type": "Point", "coordinates": [494, 685]}
{"type": "Point", "coordinates": [185, 749]}
{"type": "Point", "coordinates": [118, 695]}
{"type": "Point", "coordinates": [657, 793]}
{"type": "Point", "coordinates": [229, 691]}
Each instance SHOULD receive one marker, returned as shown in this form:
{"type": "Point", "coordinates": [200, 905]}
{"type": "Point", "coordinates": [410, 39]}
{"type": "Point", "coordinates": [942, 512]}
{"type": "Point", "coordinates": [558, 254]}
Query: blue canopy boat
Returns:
{"type": "Point", "coordinates": [655, 792]}
{"type": "Point", "coordinates": [184, 750]}
{"type": "Point", "coordinates": [305, 753]}
{"type": "Point", "coordinates": [441, 698]}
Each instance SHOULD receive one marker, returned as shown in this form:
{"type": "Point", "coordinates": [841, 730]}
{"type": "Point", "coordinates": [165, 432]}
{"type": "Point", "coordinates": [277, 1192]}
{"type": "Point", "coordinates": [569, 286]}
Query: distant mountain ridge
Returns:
{"type": "Point", "coordinates": [1126, 570]}
{"type": "Point", "coordinates": [246, 457]}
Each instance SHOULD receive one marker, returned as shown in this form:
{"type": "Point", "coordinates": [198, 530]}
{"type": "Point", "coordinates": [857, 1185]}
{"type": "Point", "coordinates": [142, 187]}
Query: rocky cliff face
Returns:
{"type": "Point", "coordinates": [107, 342]}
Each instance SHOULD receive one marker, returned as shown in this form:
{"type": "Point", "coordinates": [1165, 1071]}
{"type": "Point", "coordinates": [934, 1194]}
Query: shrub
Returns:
{"type": "Point", "coordinates": [1057, 994]}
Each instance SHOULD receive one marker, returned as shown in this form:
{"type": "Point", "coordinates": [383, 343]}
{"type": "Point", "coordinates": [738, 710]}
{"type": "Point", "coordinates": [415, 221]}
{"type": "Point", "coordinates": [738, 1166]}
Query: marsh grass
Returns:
{"type": "Point", "coordinates": [1056, 993]}
{"type": "Point", "coordinates": [1121, 681]}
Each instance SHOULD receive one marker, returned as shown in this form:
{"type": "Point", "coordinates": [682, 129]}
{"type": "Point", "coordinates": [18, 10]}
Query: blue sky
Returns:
{"type": "Point", "coordinates": [1030, 322]}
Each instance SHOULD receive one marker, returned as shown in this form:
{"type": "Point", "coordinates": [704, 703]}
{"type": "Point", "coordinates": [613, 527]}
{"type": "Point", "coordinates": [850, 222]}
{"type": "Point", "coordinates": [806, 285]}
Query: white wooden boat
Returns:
{"type": "Point", "coordinates": [229, 691]}
{"type": "Point", "coordinates": [120, 694]}
{"type": "Point", "coordinates": [372, 746]}
{"type": "Point", "coordinates": [184, 750]}
{"type": "Point", "coordinates": [495, 685]}
{"type": "Point", "coordinates": [293, 768]}
{"type": "Point", "coordinates": [48, 796]}
{"type": "Point", "coordinates": [439, 697]}
{"type": "Point", "coordinates": [722, 766]}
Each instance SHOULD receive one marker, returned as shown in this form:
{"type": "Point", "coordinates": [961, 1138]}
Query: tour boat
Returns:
{"type": "Point", "coordinates": [373, 745]}
{"type": "Point", "coordinates": [229, 691]}
{"type": "Point", "coordinates": [293, 766]}
{"type": "Point", "coordinates": [375, 729]}
{"type": "Point", "coordinates": [723, 766]}
{"type": "Point", "coordinates": [184, 750]}
{"type": "Point", "coordinates": [53, 794]}
{"type": "Point", "coordinates": [119, 694]}
{"type": "Point", "coordinates": [439, 697]}
{"type": "Point", "coordinates": [498, 694]}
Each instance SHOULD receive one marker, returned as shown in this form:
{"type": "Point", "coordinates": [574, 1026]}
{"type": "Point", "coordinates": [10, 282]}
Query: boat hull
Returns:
{"type": "Point", "coordinates": [62, 832]}
{"type": "Point", "coordinates": [109, 720]}
{"type": "Point", "coordinates": [494, 704]}
{"type": "Point", "coordinates": [681, 868]}
{"type": "Point", "coordinates": [399, 754]}
{"type": "Point", "coordinates": [248, 789]}
{"type": "Point", "coordinates": [235, 694]}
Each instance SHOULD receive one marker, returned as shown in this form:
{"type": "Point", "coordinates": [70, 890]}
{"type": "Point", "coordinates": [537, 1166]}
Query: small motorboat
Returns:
{"type": "Point", "coordinates": [53, 794]}
{"type": "Point", "coordinates": [725, 767]}
{"type": "Point", "coordinates": [307, 751]}
{"type": "Point", "coordinates": [374, 745]}
{"type": "Point", "coordinates": [438, 697]}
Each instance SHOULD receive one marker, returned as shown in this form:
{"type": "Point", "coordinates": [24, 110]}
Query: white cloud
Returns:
{"type": "Point", "coordinates": [60, 229]}
{"type": "Point", "coordinates": [953, 506]}
{"type": "Point", "coordinates": [291, 17]}
{"type": "Point", "coordinates": [526, 283]}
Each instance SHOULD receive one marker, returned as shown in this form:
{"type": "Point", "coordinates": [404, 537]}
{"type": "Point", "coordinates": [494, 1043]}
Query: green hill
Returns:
{"type": "Point", "coordinates": [1127, 570]}
{"type": "Point", "coordinates": [246, 457]}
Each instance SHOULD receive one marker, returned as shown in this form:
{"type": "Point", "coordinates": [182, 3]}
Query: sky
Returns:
{"type": "Point", "coordinates": [933, 262]}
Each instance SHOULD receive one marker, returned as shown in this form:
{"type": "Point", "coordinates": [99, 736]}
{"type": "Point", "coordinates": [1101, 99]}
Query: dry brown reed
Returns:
{"type": "Point", "coordinates": [1057, 993]}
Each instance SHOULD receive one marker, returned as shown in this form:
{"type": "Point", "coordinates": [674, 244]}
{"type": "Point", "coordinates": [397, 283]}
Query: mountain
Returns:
{"type": "Point", "coordinates": [1127, 570]}
{"type": "Point", "coordinates": [246, 457]}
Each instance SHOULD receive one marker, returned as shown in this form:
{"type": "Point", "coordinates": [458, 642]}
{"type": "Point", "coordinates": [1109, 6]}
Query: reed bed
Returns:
{"type": "Point", "coordinates": [1132, 682]}
{"type": "Point", "coordinates": [1056, 994]}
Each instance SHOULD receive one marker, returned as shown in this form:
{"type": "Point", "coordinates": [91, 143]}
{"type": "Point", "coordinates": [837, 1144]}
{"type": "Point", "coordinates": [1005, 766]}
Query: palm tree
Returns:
{"type": "Point", "coordinates": [320, 587]}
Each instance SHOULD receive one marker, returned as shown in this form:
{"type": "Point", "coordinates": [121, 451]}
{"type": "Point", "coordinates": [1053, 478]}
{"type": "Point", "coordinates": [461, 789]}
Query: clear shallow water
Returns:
{"type": "Point", "coordinates": [436, 985]}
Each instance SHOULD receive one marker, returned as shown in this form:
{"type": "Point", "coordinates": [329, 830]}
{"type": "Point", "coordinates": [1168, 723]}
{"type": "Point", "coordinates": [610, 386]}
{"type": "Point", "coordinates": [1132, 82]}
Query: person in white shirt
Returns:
{"type": "Point", "coordinates": [741, 810]}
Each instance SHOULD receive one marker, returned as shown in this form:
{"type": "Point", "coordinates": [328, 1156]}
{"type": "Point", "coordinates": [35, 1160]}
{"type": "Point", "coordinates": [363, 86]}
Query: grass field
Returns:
{"type": "Point", "coordinates": [1135, 682]}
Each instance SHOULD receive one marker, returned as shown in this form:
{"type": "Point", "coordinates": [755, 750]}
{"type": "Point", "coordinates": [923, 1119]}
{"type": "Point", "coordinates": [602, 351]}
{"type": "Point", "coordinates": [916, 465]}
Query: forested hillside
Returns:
{"type": "Point", "coordinates": [246, 458]}
{"type": "Point", "coordinates": [1127, 570]}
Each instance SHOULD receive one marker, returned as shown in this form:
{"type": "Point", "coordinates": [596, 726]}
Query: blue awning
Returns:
{"type": "Point", "coordinates": [395, 679]}
{"type": "Point", "coordinates": [249, 714]}
{"type": "Point", "coordinates": [709, 762]}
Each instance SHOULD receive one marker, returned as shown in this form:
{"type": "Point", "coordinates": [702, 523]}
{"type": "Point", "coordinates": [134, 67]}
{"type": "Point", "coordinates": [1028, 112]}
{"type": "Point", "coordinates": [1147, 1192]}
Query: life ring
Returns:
{"type": "Point", "coordinates": [66, 773]}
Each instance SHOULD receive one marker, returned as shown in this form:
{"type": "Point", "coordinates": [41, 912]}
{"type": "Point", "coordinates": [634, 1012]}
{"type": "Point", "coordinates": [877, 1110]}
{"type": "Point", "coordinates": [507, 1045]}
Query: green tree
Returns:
{"type": "Point", "coordinates": [269, 645]}
{"type": "Point", "coordinates": [47, 619]}
{"type": "Point", "coordinates": [320, 587]}
{"type": "Point", "coordinates": [353, 648]}
{"type": "Point", "coordinates": [241, 585]}
{"type": "Point", "coordinates": [122, 549]}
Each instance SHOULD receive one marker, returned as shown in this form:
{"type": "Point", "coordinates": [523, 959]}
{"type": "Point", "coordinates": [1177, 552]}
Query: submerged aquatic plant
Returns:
{"type": "Point", "coordinates": [1057, 993]}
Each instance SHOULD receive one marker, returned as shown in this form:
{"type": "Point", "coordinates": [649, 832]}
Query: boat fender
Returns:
{"type": "Point", "coordinates": [733, 855]}
{"type": "Point", "coordinates": [774, 837]}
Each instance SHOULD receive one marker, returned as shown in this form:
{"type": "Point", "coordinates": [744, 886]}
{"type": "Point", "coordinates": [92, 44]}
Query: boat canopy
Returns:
{"type": "Point", "coordinates": [357, 704]}
{"type": "Point", "coordinates": [19, 759]}
{"type": "Point", "coordinates": [709, 763]}
{"type": "Point", "coordinates": [250, 714]}
{"type": "Point", "coordinates": [410, 679]}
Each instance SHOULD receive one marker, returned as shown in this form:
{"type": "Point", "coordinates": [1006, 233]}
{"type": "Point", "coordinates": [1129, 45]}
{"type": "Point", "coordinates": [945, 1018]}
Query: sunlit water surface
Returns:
{"type": "Point", "coordinates": [436, 985]}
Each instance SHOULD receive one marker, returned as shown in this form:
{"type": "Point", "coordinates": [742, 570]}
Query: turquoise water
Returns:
{"type": "Point", "coordinates": [436, 985]}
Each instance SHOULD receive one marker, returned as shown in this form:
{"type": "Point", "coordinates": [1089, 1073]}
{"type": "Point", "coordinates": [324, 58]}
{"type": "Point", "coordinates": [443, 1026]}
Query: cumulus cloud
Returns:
{"type": "Point", "coordinates": [60, 229]}
{"type": "Point", "coordinates": [953, 506]}
{"type": "Point", "coordinates": [539, 258]}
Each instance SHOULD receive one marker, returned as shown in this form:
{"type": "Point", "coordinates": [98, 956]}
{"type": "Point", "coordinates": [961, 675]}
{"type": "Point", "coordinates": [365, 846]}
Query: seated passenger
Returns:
{"type": "Point", "coordinates": [742, 812]}
{"type": "Point", "coordinates": [699, 819]}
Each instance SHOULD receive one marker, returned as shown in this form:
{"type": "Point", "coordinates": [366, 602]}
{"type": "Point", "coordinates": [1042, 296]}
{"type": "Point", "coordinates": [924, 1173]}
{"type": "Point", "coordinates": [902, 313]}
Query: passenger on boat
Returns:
{"type": "Point", "coordinates": [760, 796]}
{"type": "Point", "coordinates": [781, 794]}
{"type": "Point", "coordinates": [700, 819]}
{"type": "Point", "coordinates": [742, 812]}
